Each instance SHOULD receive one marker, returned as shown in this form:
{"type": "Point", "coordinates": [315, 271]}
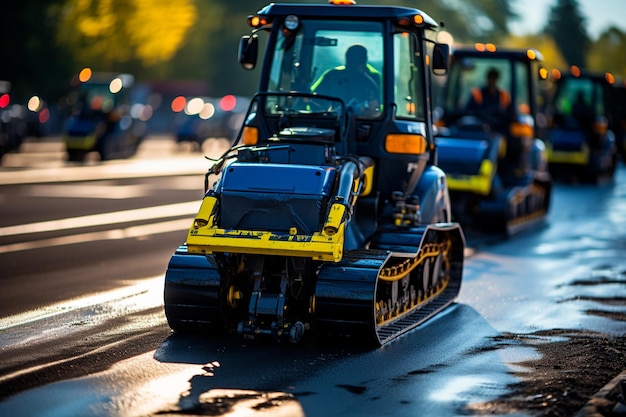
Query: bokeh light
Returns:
{"type": "Point", "coordinates": [228, 102]}
{"type": "Point", "coordinates": [34, 104]}
{"type": "Point", "coordinates": [208, 110]}
{"type": "Point", "coordinates": [178, 104]}
{"type": "Point", "coordinates": [44, 115]}
{"type": "Point", "coordinates": [116, 85]}
{"type": "Point", "coordinates": [84, 75]}
{"type": "Point", "coordinates": [5, 99]}
{"type": "Point", "coordinates": [194, 106]}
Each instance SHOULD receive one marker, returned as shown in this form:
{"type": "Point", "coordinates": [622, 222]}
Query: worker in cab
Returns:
{"type": "Point", "coordinates": [490, 101]}
{"type": "Point", "coordinates": [357, 83]}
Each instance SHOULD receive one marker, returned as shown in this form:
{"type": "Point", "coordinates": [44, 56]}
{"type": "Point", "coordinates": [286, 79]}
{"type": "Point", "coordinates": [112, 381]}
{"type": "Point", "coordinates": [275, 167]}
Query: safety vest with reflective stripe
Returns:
{"type": "Point", "coordinates": [505, 98]}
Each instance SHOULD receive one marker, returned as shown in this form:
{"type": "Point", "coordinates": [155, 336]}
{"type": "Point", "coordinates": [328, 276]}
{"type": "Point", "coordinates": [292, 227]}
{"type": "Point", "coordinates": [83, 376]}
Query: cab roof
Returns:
{"type": "Point", "coordinates": [483, 51]}
{"type": "Point", "coordinates": [353, 11]}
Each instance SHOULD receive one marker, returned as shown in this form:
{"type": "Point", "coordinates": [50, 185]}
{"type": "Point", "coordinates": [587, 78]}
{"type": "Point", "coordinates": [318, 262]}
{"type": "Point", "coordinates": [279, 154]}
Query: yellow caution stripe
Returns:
{"type": "Point", "coordinates": [479, 183]}
{"type": "Point", "coordinates": [318, 246]}
{"type": "Point", "coordinates": [580, 157]}
{"type": "Point", "coordinates": [86, 143]}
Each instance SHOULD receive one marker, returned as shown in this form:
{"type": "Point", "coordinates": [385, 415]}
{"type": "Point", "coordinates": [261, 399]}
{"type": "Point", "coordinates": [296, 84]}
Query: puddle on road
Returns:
{"type": "Point", "coordinates": [603, 275]}
{"type": "Point", "coordinates": [601, 294]}
{"type": "Point", "coordinates": [236, 402]}
{"type": "Point", "coordinates": [587, 246]}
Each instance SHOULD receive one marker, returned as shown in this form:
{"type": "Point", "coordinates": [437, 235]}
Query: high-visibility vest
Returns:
{"type": "Point", "coordinates": [505, 98]}
{"type": "Point", "coordinates": [373, 72]}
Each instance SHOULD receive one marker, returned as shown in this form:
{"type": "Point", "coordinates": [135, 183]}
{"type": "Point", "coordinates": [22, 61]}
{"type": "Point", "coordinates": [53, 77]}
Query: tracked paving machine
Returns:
{"type": "Point", "coordinates": [327, 216]}
{"type": "Point", "coordinates": [581, 141]}
{"type": "Point", "coordinates": [618, 108]}
{"type": "Point", "coordinates": [101, 119]}
{"type": "Point", "coordinates": [489, 138]}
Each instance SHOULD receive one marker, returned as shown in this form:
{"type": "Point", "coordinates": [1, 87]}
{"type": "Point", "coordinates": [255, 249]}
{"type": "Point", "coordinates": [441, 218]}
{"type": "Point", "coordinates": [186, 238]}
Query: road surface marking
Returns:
{"type": "Point", "coordinates": [124, 216]}
{"type": "Point", "coordinates": [114, 192]}
{"type": "Point", "coordinates": [145, 294]}
{"type": "Point", "coordinates": [180, 225]}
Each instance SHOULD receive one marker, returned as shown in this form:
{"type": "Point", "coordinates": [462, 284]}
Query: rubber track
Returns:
{"type": "Point", "coordinates": [192, 288]}
{"type": "Point", "coordinates": [345, 294]}
{"type": "Point", "coordinates": [420, 315]}
{"type": "Point", "coordinates": [346, 291]}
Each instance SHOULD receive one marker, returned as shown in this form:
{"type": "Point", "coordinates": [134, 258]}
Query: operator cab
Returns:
{"type": "Point", "coordinates": [514, 74]}
{"type": "Point", "coordinates": [581, 139]}
{"type": "Point", "coordinates": [336, 67]}
{"type": "Point", "coordinates": [335, 54]}
{"type": "Point", "coordinates": [493, 95]}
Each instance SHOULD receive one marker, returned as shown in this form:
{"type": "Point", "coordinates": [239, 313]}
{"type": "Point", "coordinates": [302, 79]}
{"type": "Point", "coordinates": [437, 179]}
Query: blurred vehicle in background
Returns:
{"type": "Point", "coordinates": [199, 118]}
{"type": "Point", "coordinates": [581, 141]}
{"type": "Point", "coordinates": [101, 118]}
{"type": "Point", "coordinates": [13, 127]}
{"type": "Point", "coordinates": [488, 139]}
{"type": "Point", "coordinates": [619, 118]}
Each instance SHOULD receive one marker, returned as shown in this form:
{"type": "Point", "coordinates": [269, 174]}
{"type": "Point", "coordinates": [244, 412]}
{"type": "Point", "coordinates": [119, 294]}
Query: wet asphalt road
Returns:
{"type": "Point", "coordinates": [108, 351]}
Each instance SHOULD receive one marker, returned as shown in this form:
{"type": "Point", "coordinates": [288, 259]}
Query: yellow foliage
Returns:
{"type": "Point", "coordinates": [608, 54]}
{"type": "Point", "coordinates": [157, 28]}
{"type": "Point", "coordinates": [110, 31]}
{"type": "Point", "coordinates": [99, 23]}
{"type": "Point", "coordinates": [544, 44]}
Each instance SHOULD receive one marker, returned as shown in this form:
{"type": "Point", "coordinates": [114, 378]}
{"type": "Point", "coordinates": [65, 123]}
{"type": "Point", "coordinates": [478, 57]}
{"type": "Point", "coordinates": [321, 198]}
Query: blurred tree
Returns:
{"type": "Point", "coordinates": [227, 75]}
{"type": "Point", "coordinates": [107, 34]}
{"type": "Point", "coordinates": [476, 20]}
{"type": "Point", "coordinates": [198, 57]}
{"type": "Point", "coordinates": [468, 20]}
{"type": "Point", "coordinates": [608, 53]}
{"type": "Point", "coordinates": [568, 27]}
{"type": "Point", "coordinates": [546, 45]}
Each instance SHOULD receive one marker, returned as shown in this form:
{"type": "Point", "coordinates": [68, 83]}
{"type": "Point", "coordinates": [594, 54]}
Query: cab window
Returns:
{"type": "Point", "coordinates": [522, 81]}
{"type": "Point", "coordinates": [408, 87]}
{"type": "Point", "coordinates": [314, 60]}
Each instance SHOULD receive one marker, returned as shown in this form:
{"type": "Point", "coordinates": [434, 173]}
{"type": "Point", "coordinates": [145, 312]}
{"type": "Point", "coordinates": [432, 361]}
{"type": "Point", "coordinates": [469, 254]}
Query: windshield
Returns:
{"type": "Point", "coordinates": [490, 88]}
{"type": "Point", "coordinates": [583, 92]}
{"type": "Point", "coordinates": [470, 74]}
{"type": "Point", "coordinates": [342, 60]}
{"type": "Point", "coordinates": [94, 98]}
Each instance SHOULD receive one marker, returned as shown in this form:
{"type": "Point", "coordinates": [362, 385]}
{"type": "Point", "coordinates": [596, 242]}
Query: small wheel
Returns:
{"type": "Point", "coordinates": [296, 332]}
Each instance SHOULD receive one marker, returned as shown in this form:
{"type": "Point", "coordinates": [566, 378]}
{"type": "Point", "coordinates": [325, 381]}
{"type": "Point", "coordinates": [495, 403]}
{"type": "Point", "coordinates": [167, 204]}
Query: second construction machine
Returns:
{"type": "Point", "coordinates": [490, 138]}
{"type": "Point", "coordinates": [583, 121]}
{"type": "Point", "coordinates": [327, 217]}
